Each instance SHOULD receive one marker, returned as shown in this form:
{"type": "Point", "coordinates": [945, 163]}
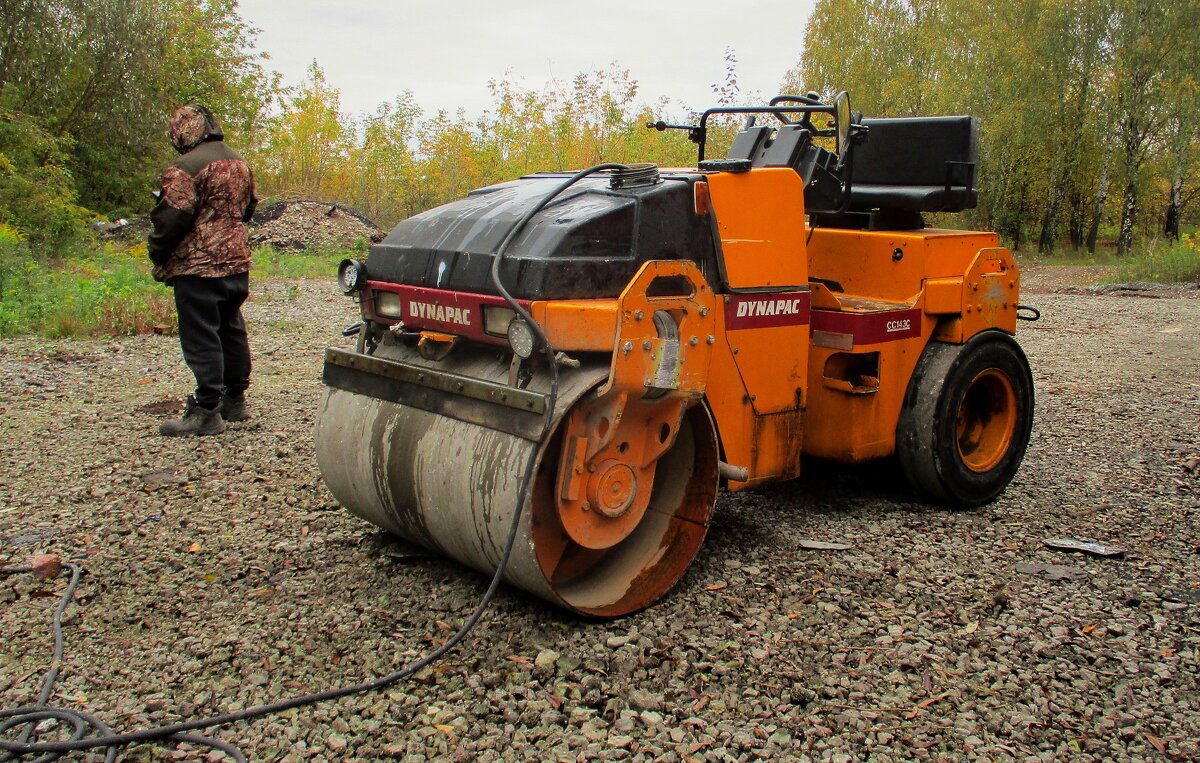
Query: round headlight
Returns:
{"type": "Point", "coordinates": [352, 275]}
{"type": "Point", "coordinates": [521, 338]}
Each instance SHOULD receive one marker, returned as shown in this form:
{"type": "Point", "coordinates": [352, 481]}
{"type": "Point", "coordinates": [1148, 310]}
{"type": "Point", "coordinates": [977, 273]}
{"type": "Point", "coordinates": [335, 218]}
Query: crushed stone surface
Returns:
{"type": "Point", "coordinates": [221, 574]}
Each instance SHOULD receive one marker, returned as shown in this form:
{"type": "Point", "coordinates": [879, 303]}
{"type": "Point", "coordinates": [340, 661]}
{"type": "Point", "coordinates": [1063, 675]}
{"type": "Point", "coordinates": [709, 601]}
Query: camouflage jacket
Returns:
{"type": "Point", "coordinates": [199, 221]}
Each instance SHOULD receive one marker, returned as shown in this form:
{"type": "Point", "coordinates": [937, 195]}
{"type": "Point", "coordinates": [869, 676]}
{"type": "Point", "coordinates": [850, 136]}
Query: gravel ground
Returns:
{"type": "Point", "coordinates": [219, 574]}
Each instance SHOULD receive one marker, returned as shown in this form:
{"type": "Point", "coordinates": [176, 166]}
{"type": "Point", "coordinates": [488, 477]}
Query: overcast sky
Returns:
{"type": "Point", "coordinates": [445, 52]}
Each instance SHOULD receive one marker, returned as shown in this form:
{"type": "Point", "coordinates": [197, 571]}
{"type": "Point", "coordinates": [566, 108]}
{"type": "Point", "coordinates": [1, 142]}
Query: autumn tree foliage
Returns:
{"type": "Point", "coordinates": [1091, 111]}
{"type": "Point", "coordinates": [97, 78]}
{"type": "Point", "coordinates": [1091, 114]}
{"type": "Point", "coordinates": [397, 161]}
{"type": "Point", "coordinates": [1090, 108]}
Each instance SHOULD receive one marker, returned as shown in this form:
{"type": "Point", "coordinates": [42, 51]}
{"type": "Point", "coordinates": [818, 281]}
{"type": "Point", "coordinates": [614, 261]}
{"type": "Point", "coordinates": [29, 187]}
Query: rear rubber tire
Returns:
{"type": "Point", "coordinates": [966, 420]}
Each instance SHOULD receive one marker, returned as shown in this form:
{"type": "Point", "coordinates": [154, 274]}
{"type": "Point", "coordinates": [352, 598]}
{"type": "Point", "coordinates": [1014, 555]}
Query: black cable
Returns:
{"type": "Point", "coordinates": [29, 716]}
{"type": "Point", "coordinates": [50, 751]}
{"type": "Point", "coordinates": [503, 248]}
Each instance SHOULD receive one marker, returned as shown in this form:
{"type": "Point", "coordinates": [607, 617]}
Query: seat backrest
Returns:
{"type": "Point", "coordinates": [919, 151]}
{"type": "Point", "coordinates": [914, 150]}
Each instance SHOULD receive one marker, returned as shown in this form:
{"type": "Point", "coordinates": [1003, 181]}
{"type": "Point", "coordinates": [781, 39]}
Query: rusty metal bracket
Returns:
{"type": "Point", "coordinates": [490, 392]}
{"type": "Point", "coordinates": [984, 297]}
{"type": "Point", "coordinates": [644, 360]}
{"type": "Point", "coordinates": [613, 441]}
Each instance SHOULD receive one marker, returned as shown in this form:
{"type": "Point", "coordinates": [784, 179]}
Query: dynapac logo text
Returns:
{"type": "Point", "coordinates": [902, 325]}
{"type": "Point", "coordinates": [755, 308]}
{"type": "Point", "coordinates": [442, 313]}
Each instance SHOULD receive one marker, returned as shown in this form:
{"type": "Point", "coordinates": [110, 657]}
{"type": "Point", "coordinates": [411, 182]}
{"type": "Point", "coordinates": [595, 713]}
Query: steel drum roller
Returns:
{"type": "Point", "coordinates": [449, 479]}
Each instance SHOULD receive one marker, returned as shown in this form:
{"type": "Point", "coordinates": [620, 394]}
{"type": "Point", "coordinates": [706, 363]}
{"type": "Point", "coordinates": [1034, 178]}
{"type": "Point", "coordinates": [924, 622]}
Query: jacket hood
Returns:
{"type": "Point", "coordinates": [191, 125]}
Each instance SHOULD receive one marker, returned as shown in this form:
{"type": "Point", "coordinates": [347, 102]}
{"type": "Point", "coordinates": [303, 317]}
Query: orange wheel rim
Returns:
{"type": "Point", "coordinates": [987, 420]}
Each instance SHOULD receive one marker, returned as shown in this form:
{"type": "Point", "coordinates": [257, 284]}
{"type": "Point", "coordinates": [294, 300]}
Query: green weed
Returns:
{"type": "Point", "coordinates": [1068, 256]}
{"type": "Point", "coordinates": [108, 292]}
{"type": "Point", "coordinates": [313, 263]}
{"type": "Point", "coordinates": [285, 325]}
{"type": "Point", "coordinates": [1165, 262]}
{"type": "Point", "coordinates": [1152, 260]}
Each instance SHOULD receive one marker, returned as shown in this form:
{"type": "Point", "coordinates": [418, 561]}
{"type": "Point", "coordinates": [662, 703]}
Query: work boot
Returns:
{"type": "Point", "coordinates": [234, 409]}
{"type": "Point", "coordinates": [195, 420]}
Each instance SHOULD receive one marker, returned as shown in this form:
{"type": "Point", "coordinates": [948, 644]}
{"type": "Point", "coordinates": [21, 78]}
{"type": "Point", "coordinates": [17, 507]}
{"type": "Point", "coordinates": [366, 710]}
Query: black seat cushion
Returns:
{"type": "Point", "coordinates": [914, 198]}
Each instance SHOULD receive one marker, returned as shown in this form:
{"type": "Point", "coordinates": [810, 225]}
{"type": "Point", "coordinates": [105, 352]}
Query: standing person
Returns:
{"type": "Point", "coordinates": [199, 247]}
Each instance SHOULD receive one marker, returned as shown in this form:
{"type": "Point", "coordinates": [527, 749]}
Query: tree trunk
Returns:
{"type": "Point", "coordinates": [1128, 213]}
{"type": "Point", "coordinates": [1050, 219]}
{"type": "Point", "coordinates": [1098, 208]}
{"type": "Point", "coordinates": [1171, 224]}
{"type": "Point", "coordinates": [1064, 175]}
{"type": "Point", "coordinates": [16, 20]}
{"type": "Point", "coordinates": [1075, 225]}
{"type": "Point", "coordinates": [1018, 221]}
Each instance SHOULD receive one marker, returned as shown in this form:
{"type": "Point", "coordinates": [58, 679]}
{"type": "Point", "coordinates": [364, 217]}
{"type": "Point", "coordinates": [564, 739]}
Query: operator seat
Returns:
{"type": "Point", "coordinates": [916, 164]}
{"type": "Point", "coordinates": [908, 165]}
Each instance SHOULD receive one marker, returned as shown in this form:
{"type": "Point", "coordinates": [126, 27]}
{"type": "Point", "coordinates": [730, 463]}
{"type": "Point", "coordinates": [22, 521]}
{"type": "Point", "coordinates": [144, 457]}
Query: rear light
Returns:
{"type": "Point", "coordinates": [496, 320]}
{"type": "Point", "coordinates": [703, 204]}
{"type": "Point", "coordinates": [388, 304]}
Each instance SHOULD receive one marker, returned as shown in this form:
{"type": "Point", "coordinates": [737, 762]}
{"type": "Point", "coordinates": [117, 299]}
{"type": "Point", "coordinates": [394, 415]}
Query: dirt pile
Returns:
{"type": "Point", "coordinates": [288, 226]}
{"type": "Point", "coordinates": [291, 226]}
{"type": "Point", "coordinates": [125, 230]}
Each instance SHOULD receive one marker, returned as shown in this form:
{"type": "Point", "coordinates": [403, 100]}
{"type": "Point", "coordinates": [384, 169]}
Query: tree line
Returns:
{"type": "Point", "coordinates": [1090, 111]}
{"type": "Point", "coordinates": [84, 86]}
{"type": "Point", "coordinates": [396, 161]}
{"type": "Point", "coordinates": [1091, 108]}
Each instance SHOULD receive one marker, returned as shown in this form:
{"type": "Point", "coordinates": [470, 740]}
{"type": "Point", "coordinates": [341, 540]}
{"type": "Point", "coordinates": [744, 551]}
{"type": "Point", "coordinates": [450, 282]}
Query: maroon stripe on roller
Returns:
{"type": "Point", "coordinates": [766, 310]}
{"type": "Point", "coordinates": [450, 312]}
{"type": "Point", "coordinates": [870, 328]}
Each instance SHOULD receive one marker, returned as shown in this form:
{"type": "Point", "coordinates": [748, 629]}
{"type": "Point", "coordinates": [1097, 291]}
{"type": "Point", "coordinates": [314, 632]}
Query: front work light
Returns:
{"type": "Point", "coordinates": [520, 338]}
{"type": "Point", "coordinates": [352, 276]}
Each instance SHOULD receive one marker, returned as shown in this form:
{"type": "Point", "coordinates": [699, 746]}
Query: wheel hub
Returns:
{"type": "Point", "coordinates": [987, 419]}
{"type": "Point", "coordinates": [612, 488]}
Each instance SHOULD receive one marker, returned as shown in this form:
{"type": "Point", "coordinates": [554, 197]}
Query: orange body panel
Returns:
{"type": "Point", "coordinates": [748, 438]}
{"type": "Point", "coordinates": [865, 263]}
{"type": "Point", "coordinates": [581, 325]}
{"type": "Point", "coordinates": [760, 363]}
{"type": "Point", "coordinates": [899, 291]}
{"type": "Point", "coordinates": [856, 425]}
{"type": "Point", "coordinates": [795, 367]}
{"type": "Point", "coordinates": [760, 216]}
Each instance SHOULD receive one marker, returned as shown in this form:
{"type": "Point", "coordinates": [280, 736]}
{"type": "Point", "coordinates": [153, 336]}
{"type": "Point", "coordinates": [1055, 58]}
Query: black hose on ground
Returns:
{"type": "Point", "coordinates": [27, 718]}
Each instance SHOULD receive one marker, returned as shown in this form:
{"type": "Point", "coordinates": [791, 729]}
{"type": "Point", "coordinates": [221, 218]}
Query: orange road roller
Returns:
{"type": "Point", "coordinates": [570, 367]}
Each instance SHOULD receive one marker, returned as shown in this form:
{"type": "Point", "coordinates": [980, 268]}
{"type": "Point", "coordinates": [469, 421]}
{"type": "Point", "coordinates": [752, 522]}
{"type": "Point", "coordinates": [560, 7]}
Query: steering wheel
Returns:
{"type": "Point", "coordinates": [805, 120]}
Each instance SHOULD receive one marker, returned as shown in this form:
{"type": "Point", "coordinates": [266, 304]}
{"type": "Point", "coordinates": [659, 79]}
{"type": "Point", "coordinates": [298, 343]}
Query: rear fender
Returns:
{"type": "Point", "coordinates": [984, 297]}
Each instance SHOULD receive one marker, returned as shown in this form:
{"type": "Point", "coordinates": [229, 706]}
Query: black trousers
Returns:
{"type": "Point", "coordinates": [212, 335]}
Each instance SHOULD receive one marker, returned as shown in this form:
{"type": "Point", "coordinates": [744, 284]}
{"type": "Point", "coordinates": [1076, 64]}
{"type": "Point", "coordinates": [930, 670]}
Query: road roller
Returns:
{"type": "Point", "coordinates": [584, 361]}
